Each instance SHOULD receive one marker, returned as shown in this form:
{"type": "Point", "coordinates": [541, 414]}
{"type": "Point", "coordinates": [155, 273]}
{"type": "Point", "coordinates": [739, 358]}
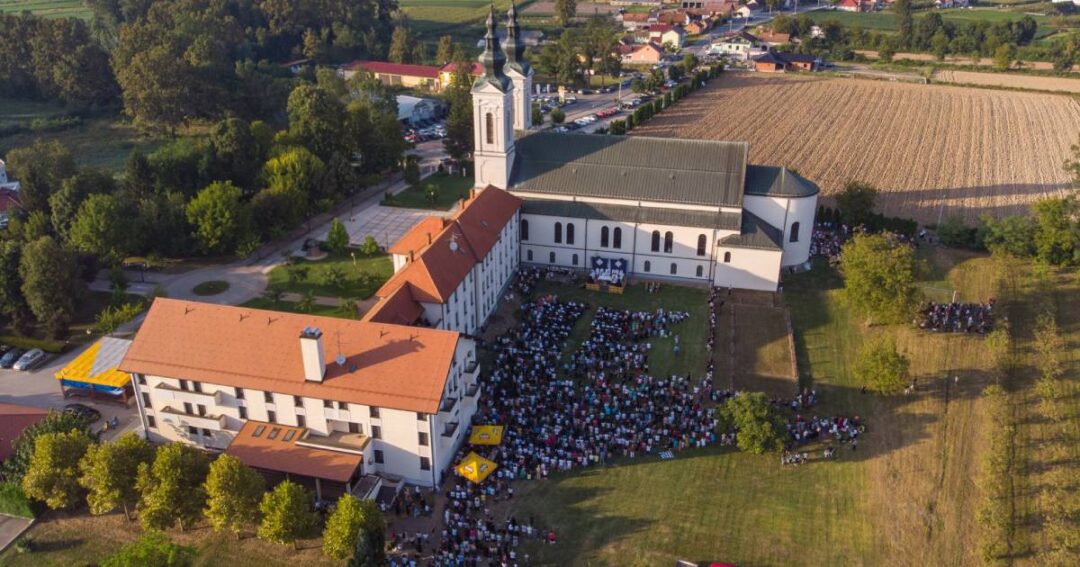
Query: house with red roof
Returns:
{"type": "Point", "coordinates": [13, 420]}
{"type": "Point", "coordinates": [856, 5]}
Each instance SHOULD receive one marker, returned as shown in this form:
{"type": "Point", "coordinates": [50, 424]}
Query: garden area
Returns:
{"type": "Point", "coordinates": [350, 273]}
{"type": "Point", "coordinates": [438, 192]}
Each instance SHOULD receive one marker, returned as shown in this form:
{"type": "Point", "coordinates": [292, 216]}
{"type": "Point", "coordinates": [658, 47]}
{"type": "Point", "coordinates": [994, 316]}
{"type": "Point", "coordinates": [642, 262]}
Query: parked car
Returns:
{"type": "Point", "coordinates": [84, 411]}
{"type": "Point", "coordinates": [29, 360]}
{"type": "Point", "coordinates": [10, 357]}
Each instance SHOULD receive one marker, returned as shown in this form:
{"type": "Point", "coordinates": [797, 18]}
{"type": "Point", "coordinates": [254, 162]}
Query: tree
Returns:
{"type": "Point", "coordinates": [369, 247]}
{"type": "Point", "coordinates": [904, 21]}
{"type": "Point", "coordinates": [370, 548]}
{"type": "Point", "coordinates": [108, 472]}
{"type": "Point", "coordinates": [1073, 166]}
{"type": "Point", "coordinates": [537, 115]}
{"type": "Point", "coordinates": [401, 45]}
{"type": "Point", "coordinates": [565, 10]}
{"type": "Point", "coordinates": [690, 62]}
{"type": "Point", "coordinates": [64, 204]}
{"type": "Point", "coordinates": [16, 465]}
{"type": "Point", "coordinates": [171, 489]}
{"type": "Point", "coordinates": [557, 116]}
{"type": "Point", "coordinates": [286, 514]}
{"type": "Point", "coordinates": [307, 301]}
{"type": "Point", "coordinates": [53, 474]}
{"type": "Point", "coordinates": [1057, 230]}
{"type": "Point", "coordinates": [954, 233]}
{"type": "Point", "coordinates": [879, 278]}
{"type": "Point", "coordinates": [102, 227]}
{"type": "Point", "coordinates": [40, 169]}
{"type": "Point", "coordinates": [1013, 235]}
{"type": "Point", "coordinates": [220, 219]}
{"type": "Point", "coordinates": [237, 153]}
{"type": "Point", "coordinates": [1004, 56]}
{"type": "Point", "coordinates": [233, 492]}
{"type": "Point", "coordinates": [12, 303]}
{"type": "Point", "coordinates": [351, 518]}
{"type": "Point", "coordinates": [459, 121]}
{"type": "Point", "coordinates": [412, 170]}
{"type": "Point", "coordinates": [881, 367]}
{"type": "Point", "coordinates": [856, 202]}
{"type": "Point", "coordinates": [152, 548]}
{"type": "Point", "coordinates": [337, 240]}
{"type": "Point", "coordinates": [333, 276]}
{"type": "Point", "coordinates": [50, 283]}
{"type": "Point", "coordinates": [316, 120]}
{"type": "Point", "coordinates": [759, 427]}
{"type": "Point", "coordinates": [445, 52]}
{"type": "Point", "coordinates": [297, 176]}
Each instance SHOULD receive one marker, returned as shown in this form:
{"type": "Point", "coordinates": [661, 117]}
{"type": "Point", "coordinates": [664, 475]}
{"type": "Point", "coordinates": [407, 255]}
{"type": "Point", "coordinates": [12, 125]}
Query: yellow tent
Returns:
{"type": "Point", "coordinates": [475, 468]}
{"type": "Point", "coordinates": [486, 435]}
{"type": "Point", "coordinates": [97, 366]}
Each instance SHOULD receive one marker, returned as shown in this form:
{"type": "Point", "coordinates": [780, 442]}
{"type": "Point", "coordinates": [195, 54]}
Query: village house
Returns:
{"type": "Point", "coordinates": [777, 62]}
{"type": "Point", "coordinates": [636, 20]}
{"type": "Point", "coordinates": [740, 46]}
{"type": "Point", "coordinates": [771, 38]}
{"type": "Point", "coordinates": [648, 54]}
{"type": "Point", "coordinates": [856, 5]}
{"type": "Point", "coordinates": [667, 34]}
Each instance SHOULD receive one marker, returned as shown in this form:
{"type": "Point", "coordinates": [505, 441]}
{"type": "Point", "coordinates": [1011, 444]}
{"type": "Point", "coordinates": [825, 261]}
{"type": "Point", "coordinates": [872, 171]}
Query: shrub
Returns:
{"type": "Point", "coordinates": [13, 501]}
{"type": "Point", "coordinates": [881, 367]}
{"type": "Point", "coordinates": [153, 548]}
{"type": "Point", "coordinates": [112, 317]}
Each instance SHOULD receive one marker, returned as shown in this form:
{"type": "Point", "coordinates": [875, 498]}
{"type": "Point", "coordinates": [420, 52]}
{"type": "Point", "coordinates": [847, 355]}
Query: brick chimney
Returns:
{"type": "Point", "coordinates": [311, 350]}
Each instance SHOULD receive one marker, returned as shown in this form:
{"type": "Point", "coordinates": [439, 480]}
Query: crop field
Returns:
{"type": "Point", "coordinates": [928, 148]}
{"type": "Point", "coordinates": [1028, 82]}
{"type": "Point", "coordinates": [47, 8]}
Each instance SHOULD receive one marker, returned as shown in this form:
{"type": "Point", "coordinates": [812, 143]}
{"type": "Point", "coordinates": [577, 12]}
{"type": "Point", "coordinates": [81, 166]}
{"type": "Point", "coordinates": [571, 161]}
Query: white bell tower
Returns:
{"type": "Point", "coordinates": [519, 71]}
{"type": "Point", "coordinates": [493, 121]}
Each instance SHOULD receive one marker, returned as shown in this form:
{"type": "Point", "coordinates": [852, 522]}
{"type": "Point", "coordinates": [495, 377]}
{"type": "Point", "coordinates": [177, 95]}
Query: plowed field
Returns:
{"type": "Point", "coordinates": [971, 150]}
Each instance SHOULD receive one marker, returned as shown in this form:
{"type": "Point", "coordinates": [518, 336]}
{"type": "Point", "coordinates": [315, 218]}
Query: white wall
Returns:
{"type": "Point", "coordinates": [749, 269]}
{"type": "Point", "coordinates": [784, 212]}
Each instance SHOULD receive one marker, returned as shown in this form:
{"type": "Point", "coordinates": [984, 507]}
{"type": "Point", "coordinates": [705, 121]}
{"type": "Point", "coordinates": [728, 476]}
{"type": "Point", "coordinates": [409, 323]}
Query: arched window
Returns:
{"type": "Point", "coordinates": [604, 237]}
{"type": "Point", "coordinates": [648, 266]}
{"type": "Point", "coordinates": [569, 233]}
{"type": "Point", "coordinates": [656, 241]}
{"type": "Point", "coordinates": [700, 271]}
{"type": "Point", "coordinates": [668, 239]}
{"type": "Point", "coordinates": [524, 229]}
{"type": "Point", "coordinates": [617, 238]}
{"type": "Point", "coordinates": [574, 259]}
{"type": "Point", "coordinates": [551, 257]}
{"type": "Point", "coordinates": [558, 233]}
{"type": "Point", "coordinates": [528, 255]}
{"type": "Point", "coordinates": [489, 127]}
{"type": "Point", "coordinates": [701, 245]}
{"type": "Point", "coordinates": [674, 268]}
{"type": "Point", "coordinates": [794, 232]}
{"type": "Point", "coordinates": [727, 257]}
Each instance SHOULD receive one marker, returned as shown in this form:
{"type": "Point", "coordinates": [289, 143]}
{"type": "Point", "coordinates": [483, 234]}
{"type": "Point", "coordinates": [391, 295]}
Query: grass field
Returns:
{"type": "Point", "coordinates": [928, 148]}
{"type": "Point", "coordinates": [449, 189]}
{"type": "Point", "coordinates": [886, 21]}
{"type": "Point", "coordinates": [292, 307]}
{"type": "Point", "coordinates": [48, 8]}
{"type": "Point", "coordinates": [906, 495]}
{"type": "Point", "coordinates": [363, 276]}
{"type": "Point", "coordinates": [762, 350]}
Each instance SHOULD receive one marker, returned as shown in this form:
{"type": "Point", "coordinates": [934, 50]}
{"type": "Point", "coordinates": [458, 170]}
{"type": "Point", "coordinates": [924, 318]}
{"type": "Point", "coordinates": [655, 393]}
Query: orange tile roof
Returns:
{"type": "Point", "coordinates": [419, 236]}
{"type": "Point", "coordinates": [392, 366]}
{"type": "Point", "coordinates": [438, 268]}
{"type": "Point", "coordinates": [398, 308]}
{"type": "Point", "coordinates": [278, 454]}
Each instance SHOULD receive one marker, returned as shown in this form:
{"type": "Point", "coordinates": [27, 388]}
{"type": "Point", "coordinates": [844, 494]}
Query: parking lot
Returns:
{"type": "Point", "coordinates": [40, 388]}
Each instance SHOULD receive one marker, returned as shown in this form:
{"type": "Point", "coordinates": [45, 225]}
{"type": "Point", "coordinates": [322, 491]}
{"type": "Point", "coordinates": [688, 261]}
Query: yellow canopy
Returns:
{"type": "Point", "coordinates": [486, 435]}
{"type": "Point", "coordinates": [475, 468]}
{"type": "Point", "coordinates": [97, 365]}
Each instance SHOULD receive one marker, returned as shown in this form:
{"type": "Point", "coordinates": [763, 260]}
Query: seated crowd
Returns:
{"type": "Point", "coordinates": [957, 317]}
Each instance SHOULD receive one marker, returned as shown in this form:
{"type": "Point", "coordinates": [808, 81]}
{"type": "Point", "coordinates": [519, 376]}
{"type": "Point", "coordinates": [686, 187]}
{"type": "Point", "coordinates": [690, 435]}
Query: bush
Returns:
{"type": "Point", "coordinates": [955, 234]}
{"type": "Point", "coordinates": [881, 367]}
{"type": "Point", "coordinates": [13, 501]}
{"type": "Point", "coordinates": [153, 548]}
{"type": "Point", "coordinates": [111, 318]}
{"type": "Point", "coordinates": [557, 116]}
{"type": "Point", "coordinates": [27, 343]}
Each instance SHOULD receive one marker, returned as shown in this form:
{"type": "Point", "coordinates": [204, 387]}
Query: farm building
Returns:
{"type": "Point", "coordinates": [396, 74]}
{"type": "Point", "coordinates": [776, 62]}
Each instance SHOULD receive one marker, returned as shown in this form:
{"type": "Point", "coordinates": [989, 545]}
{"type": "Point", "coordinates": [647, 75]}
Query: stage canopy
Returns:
{"type": "Point", "coordinates": [96, 368]}
{"type": "Point", "coordinates": [486, 435]}
{"type": "Point", "coordinates": [475, 468]}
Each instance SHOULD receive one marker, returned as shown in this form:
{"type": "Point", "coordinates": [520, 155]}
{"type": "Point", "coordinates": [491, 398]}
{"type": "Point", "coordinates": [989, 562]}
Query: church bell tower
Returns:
{"type": "Point", "coordinates": [519, 71]}
{"type": "Point", "coordinates": [493, 116]}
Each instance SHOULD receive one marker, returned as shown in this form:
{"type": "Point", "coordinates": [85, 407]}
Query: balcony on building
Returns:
{"type": "Point", "coordinates": [166, 391]}
{"type": "Point", "coordinates": [450, 429]}
{"type": "Point", "coordinates": [208, 421]}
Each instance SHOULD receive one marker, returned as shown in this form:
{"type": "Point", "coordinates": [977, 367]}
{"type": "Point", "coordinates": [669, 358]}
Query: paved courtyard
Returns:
{"type": "Point", "coordinates": [386, 224]}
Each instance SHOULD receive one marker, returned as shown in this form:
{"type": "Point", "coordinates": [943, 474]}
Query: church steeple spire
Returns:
{"type": "Point", "coordinates": [515, 46]}
{"type": "Point", "coordinates": [493, 58]}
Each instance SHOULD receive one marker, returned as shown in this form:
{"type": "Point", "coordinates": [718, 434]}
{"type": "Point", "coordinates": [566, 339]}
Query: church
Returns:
{"type": "Point", "coordinates": [687, 211]}
{"type": "Point", "coordinates": [692, 211]}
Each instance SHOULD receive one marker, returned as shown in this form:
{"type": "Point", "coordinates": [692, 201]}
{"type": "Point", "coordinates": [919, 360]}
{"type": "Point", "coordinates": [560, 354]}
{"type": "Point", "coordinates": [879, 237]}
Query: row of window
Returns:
{"type": "Point", "coordinates": [616, 237]}
{"type": "Point", "coordinates": [647, 267]}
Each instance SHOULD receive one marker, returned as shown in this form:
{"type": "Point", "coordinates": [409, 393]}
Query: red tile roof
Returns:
{"type": "Point", "coordinates": [389, 366]}
{"type": "Point", "coordinates": [287, 456]}
{"type": "Point", "coordinates": [387, 68]}
{"type": "Point", "coordinates": [13, 420]}
{"type": "Point", "coordinates": [477, 68]}
{"type": "Point", "coordinates": [438, 268]}
{"type": "Point", "coordinates": [419, 236]}
{"type": "Point", "coordinates": [398, 308]}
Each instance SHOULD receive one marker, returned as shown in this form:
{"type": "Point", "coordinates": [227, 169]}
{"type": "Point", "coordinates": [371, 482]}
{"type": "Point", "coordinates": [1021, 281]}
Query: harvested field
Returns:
{"type": "Point", "coordinates": [1029, 82]}
{"type": "Point", "coordinates": [924, 146]}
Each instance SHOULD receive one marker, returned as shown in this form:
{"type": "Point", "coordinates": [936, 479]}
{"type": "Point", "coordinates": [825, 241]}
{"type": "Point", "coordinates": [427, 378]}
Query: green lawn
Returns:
{"type": "Point", "coordinates": [290, 307]}
{"type": "Point", "coordinates": [364, 275]}
{"type": "Point", "coordinates": [449, 189]}
{"type": "Point", "coordinates": [103, 142]}
{"type": "Point", "coordinates": [662, 359]}
{"type": "Point", "coordinates": [906, 493]}
{"type": "Point", "coordinates": [886, 21]}
{"type": "Point", "coordinates": [48, 8]}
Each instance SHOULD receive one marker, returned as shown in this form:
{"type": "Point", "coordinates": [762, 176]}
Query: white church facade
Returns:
{"type": "Point", "coordinates": [693, 211]}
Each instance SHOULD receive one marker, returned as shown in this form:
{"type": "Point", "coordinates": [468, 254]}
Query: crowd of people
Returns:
{"type": "Point", "coordinates": [839, 429]}
{"type": "Point", "coordinates": [828, 239]}
{"type": "Point", "coordinates": [957, 317]}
